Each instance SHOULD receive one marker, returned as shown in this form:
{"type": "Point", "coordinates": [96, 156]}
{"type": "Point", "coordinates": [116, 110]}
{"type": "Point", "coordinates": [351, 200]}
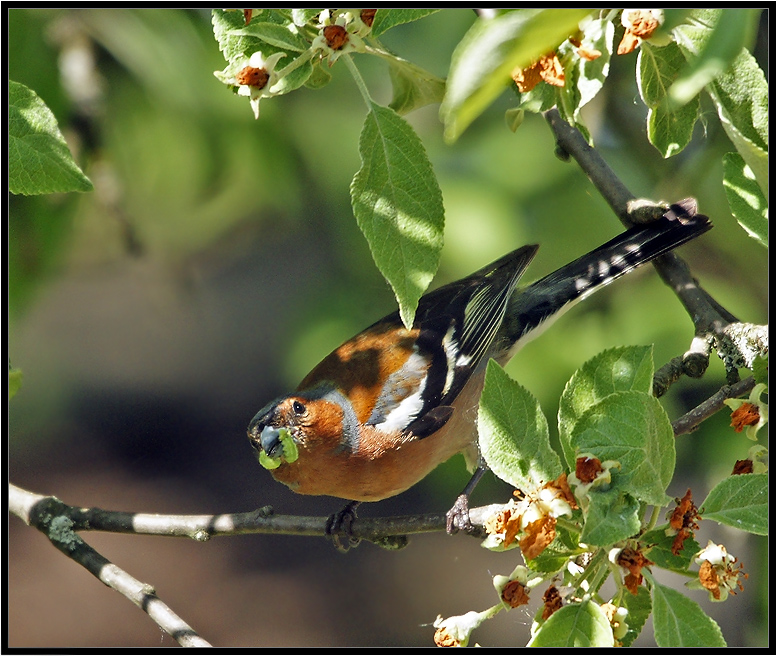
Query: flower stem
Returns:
{"type": "Point", "coordinates": [296, 63]}
{"type": "Point", "coordinates": [359, 80]}
{"type": "Point", "coordinates": [592, 572]}
{"type": "Point", "coordinates": [653, 518]}
{"type": "Point", "coordinates": [572, 527]}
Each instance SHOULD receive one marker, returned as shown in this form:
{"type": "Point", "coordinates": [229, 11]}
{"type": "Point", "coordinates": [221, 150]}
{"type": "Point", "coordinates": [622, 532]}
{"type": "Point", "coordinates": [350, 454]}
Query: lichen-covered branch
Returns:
{"type": "Point", "coordinates": [30, 507]}
{"type": "Point", "coordinates": [53, 518]}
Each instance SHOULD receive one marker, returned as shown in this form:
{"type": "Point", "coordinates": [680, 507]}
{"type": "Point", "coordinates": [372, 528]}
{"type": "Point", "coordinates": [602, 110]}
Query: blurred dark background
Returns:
{"type": "Point", "coordinates": [218, 260]}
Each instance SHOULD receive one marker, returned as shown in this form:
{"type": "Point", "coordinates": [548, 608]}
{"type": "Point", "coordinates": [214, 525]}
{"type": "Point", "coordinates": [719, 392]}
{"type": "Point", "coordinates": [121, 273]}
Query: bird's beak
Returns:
{"type": "Point", "coordinates": [270, 442]}
{"type": "Point", "coordinates": [264, 436]}
{"type": "Point", "coordinates": [257, 427]}
{"type": "Point", "coordinates": [274, 444]}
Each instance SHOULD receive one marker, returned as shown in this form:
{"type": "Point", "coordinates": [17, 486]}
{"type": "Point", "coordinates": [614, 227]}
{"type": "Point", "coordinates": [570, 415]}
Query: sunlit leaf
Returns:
{"type": "Point", "coordinates": [733, 30]}
{"type": "Point", "coordinates": [632, 429]}
{"type": "Point", "coordinates": [386, 18]}
{"type": "Point", "coordinates": [233, 46]}
{"type": "Point", "coordinates": [745, 199]}
{"type": "Point", "coordinates": [581, 625]}
{"type": "Point", "coordinates": [488, 53]}
{"type": "Point", "coordinates": [639, 606]}
{"type": "Point", "coordinates": [302, 16]}
{"type": "Point", "coordinates": [614, 370]}
{"type": "Point", "coordinates": [670, 126]}
{"type": "Point", "coordinates": [611, 515]}
{"type": "Point", "coordinates": [740, 94]}
{"type": "Point", "coordinates": [39, 161]}
{"type": "Point", "coordinates": [513, 433]}
{"type": "Point", "coordinates": [398, 206]}
{"type": "Point", "coordinates": [273, 34]}
{"type": "Point", "coordinates": [740, 501]}
{"type": "Point", "coordinates": [413, 86]}
{"type": "Point", "coordinates": [659, 549]}
{"type": "Point", "coordinates": [680, 622]}
{"type": "Point", "coordinates": [586, 73]}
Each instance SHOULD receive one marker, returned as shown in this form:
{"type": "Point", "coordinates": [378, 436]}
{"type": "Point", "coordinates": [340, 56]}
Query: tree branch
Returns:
{"type": "Point", "coordinates": [609, 185]}
{"type": "Point", "coordinates": [52, 518]}
{"type": "Point", "coordinates": [690, 421]}
{"type": "Point", "coordinates": [27, 505]}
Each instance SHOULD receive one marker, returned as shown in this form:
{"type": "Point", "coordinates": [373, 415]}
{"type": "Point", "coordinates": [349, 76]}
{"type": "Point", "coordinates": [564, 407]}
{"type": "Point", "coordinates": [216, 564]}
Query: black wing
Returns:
{"type": "Point", "coordinates": [457, 324]}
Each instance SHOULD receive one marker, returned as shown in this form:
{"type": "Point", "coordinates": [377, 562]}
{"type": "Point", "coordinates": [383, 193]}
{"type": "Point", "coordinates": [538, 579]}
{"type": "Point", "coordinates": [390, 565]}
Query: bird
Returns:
{"type": "Point", "coordinates": [386, 407]}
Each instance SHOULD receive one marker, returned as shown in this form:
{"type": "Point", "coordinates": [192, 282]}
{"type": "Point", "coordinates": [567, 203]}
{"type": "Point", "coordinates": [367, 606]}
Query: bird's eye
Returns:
{"type": "Point", "coordinates": [299, 408]}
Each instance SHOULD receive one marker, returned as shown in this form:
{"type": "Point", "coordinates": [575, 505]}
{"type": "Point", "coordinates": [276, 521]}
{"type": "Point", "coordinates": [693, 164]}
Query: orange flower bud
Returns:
{"type": "Point", "coordinates": [745, 415]}
{"type": "Point", "coordinates": [367, 16]}
{"type": "Point", "coordinates": [336, 36]}
{"type": "Point", "coordinates": [253, 77]}
{"type": "Point", "coordinates": [514, 594]}
{"type": "Point", "coordinates": [552, 602]}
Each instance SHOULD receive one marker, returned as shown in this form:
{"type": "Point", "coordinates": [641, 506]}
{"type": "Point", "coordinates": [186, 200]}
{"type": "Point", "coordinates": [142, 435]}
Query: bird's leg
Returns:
{"type": "Point", "coordinates": [457, 517]}
{"type": "Point", "coordinates": [340, 524]}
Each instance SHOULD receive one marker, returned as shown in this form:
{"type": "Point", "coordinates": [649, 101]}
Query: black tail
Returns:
{"type": "Point", "coordinates": [549, 296]}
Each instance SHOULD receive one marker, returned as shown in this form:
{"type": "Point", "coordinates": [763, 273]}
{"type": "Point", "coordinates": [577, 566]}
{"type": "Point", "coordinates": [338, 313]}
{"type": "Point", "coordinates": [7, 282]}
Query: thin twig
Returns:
{"type": "Point", "coordinates": [51, 517]}
{"type": "Point", "coordinates": [609, 185]}
{"type": "Point", "coordinates": [691, 420]}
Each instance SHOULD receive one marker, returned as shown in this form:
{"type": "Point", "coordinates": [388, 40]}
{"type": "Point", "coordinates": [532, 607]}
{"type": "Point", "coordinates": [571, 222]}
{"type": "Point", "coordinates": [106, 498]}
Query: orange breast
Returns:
{"type": "Point", "coordinates": [386, 463]}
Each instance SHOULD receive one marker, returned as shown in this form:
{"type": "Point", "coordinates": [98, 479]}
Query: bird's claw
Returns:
{"type": "Point", "coordinates": [340, 525]}
{"type": "Point", "coordinates": [457, 518]}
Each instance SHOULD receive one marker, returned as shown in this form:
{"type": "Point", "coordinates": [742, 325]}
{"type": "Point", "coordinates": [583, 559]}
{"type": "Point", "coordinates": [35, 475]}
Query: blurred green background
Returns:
{"type": "Point", "coordinates": [218, 260]}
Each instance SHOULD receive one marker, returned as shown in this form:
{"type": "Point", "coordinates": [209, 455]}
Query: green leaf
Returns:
{"type": "Point", "coordinates": [745, 199]}
{"type": "Point", "coordinates": [39, 161]}
{"type": "Point", "coordinates": [740, 501]}
{"type": "Point", "coordinates": [413, 86]}
{"type": "Point", "coordinates": [742, 98]}
{"type": "Point", "coordinates": [14, 382]}
{"type": "Point", "coordinates": [733, 30]}
{"type": "Point", "coordinates": [610, 516]}
{"type": "Point", "coordinates": [680, 622]}
{"type": "Point", "coordinates": [659, 550]}
{"type": "Point", "coordinates": [669, 126]}
{"type": "Point", "coordinates": [591, 74]}
{"type": "Point", "coordinates": [639, 607]}
{"type": "Point", "coordinates": [273, 34]}
{"type": "Point", "coordinates": [231, 45]}
{"type": "Point", "coordinates": [398, 206]}
{"type": "Point", "coordinates": [296, 78]}
{"type": "Point", "coordinates": [302, 16]}
{"type": "Point", "coordinates": [513, 433]}
{"type": "Point", "coordinates": [540, 99]}
{"type": "Point", "coordinates": [614, 370]}
{"type": "Point", "coordinates": [386, 18]}
{"type": "Point", "coordinates": [633, 429]}
{"type": "Point", "coordinates": [514, 118]}
{"type": "Point", "coordinates": [575, 626]}
{"type": "Point", "coordinates": [673, 16]}
{"type": "Point", "coordinates": [584, 77]}
{"type": "Point", "coordinates": [319, 77]}
{"type": "Point", "coordinates": [740, 94]}
{"type": "Point", "coordinates": [760, 369]}
{"type": "Point", "coordinates": [488, 53]}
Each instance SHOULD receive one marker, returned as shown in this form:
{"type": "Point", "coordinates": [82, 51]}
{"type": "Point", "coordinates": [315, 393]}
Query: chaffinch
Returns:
{"type": "Point", "coordinates": [390, 404]}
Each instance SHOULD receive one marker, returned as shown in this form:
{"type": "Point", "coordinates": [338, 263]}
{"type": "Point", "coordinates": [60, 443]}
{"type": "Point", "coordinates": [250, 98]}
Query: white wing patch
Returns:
{"type": "Point", "coordinates": [401, 398]}
{"type": "Point", "coordinates": [452, 356]}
